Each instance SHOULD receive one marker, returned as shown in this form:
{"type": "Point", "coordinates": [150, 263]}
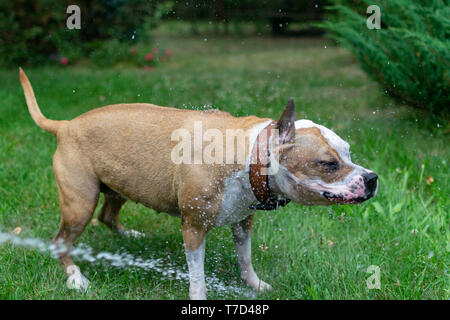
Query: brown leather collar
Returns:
{"type": "Point", "coordinates": [259, 164]}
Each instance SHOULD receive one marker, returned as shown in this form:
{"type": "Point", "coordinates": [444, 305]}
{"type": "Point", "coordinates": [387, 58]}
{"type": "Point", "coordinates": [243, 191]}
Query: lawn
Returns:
{"type": "Point", "coordinates": [304, 252]}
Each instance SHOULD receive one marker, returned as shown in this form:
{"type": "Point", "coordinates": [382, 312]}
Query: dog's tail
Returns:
{"type": "Point", "coordinates": [46, 124]}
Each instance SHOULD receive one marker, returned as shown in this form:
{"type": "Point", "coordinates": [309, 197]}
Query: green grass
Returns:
{"type": "Point", "coordinates": [304, 252]}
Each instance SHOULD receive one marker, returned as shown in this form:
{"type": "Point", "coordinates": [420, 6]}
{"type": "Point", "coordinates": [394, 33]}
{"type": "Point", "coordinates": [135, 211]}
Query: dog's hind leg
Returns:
{"type": "Point", "coordinates": [109, 214]}
{"type": "Point", "coordinates": [78, 195]}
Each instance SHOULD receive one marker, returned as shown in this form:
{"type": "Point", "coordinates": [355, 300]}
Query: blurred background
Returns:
{"type": "Point", "coordinates": [409, 56]}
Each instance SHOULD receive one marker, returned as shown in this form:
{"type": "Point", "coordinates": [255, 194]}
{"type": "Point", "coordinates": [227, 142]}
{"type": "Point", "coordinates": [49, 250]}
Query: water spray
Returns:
{"type": "Point", "coordinates": [119, 260]}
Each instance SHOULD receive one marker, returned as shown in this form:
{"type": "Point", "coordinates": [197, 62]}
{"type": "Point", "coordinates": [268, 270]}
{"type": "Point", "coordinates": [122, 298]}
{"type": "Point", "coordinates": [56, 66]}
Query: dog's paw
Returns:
{"type": "Point", "coordinates": [133, 234]}
{"type": "Point", "coordinates": [197, 292]}
{"type": "Point", "coordinates": [263, 286]}
{"type": "Point", "coordinates": [76, 280]}
{"type": "Point", "coordinates": [259, 285]}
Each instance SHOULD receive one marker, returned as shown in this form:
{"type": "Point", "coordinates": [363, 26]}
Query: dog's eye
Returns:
{"type": "Point", "coordinates": [330, 165]}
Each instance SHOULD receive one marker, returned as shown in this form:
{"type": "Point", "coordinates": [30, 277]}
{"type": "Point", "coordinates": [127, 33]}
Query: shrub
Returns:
{"type": "Point", "coordinates": [32, 32]}
{"type": "Point", "coordinates": [26, 29]}
{"type": "Point", "coordinates": [112, 52]}
{"type": "Point", "coordinates": [409, 56]}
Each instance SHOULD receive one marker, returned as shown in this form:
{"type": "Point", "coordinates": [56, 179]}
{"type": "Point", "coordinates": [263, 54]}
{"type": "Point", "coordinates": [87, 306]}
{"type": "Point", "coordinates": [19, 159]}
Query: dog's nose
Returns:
{"type": "Point", "coordinates": [370, 180]}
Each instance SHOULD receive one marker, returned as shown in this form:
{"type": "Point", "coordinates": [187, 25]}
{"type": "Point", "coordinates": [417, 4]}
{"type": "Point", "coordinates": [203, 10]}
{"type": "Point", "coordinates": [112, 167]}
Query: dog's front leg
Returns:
{"type": "Point", "coordinates": [242, 244]}
{"type": "Point", "coordinates": [194, 243]}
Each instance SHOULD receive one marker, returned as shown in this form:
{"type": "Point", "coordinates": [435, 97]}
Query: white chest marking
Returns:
{"type": "Point", "coordinates": [237, 198]}
{"type": "Point", "coordinates": [238, 195]}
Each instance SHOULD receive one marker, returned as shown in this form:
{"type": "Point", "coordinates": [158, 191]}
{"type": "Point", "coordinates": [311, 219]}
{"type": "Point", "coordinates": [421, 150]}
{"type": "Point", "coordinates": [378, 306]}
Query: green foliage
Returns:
{"type": "Point", "coordinates": [113, 52]}
{"type": "Point", "coordinates": [409, 56]}
{"type": "Point", "coordinates": [116, 19]}
{"type": "Point", "coordinates": [26, 30]}
{"type": "Point", "coordinates": [35, 32]}
{"type": "Point", "coordinates": [109, 52]}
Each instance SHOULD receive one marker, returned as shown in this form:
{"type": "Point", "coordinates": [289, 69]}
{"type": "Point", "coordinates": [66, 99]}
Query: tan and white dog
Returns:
{"type": "Point", "coordinates": [126, 152]}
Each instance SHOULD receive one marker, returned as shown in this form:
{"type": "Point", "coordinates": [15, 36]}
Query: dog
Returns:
{"type": "Point", "coordinates": [128, 151]}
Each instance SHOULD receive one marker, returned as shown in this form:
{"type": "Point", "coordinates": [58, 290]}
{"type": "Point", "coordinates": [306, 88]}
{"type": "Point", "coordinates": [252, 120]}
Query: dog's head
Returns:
{"type": "Point", "coordinates": [313, 165]}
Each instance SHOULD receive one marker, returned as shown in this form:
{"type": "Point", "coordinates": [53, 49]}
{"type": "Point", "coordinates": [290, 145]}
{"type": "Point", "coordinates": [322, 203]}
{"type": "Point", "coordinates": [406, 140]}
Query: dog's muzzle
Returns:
{"type": "Point", "coordinates": [369, 183]}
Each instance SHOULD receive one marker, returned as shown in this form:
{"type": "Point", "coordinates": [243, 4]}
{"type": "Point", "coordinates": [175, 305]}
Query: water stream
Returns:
{"type": "Point", "coordinates": [123, 259]}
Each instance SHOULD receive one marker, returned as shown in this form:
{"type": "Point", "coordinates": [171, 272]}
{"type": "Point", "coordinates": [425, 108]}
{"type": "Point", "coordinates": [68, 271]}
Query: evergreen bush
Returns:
{"type": "Point", "coordinates": [409, 55]}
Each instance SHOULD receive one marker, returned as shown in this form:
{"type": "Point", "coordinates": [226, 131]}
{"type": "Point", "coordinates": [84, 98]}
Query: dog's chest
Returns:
{"type": "Point", "coordinates": [237, 198]}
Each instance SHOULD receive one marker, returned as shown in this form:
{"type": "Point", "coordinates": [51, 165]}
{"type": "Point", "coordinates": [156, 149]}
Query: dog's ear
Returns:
{"type": "Point", "coordinates": [286, 124]}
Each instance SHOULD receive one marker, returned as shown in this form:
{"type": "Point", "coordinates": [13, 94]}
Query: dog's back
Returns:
{"type": "Point", "coordinates": [127, 147]}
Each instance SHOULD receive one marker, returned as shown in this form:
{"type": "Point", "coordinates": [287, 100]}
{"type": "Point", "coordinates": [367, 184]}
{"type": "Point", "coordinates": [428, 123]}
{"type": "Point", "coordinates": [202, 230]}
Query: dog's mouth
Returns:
{"type": "Point", "coordinates": [338, 198]}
